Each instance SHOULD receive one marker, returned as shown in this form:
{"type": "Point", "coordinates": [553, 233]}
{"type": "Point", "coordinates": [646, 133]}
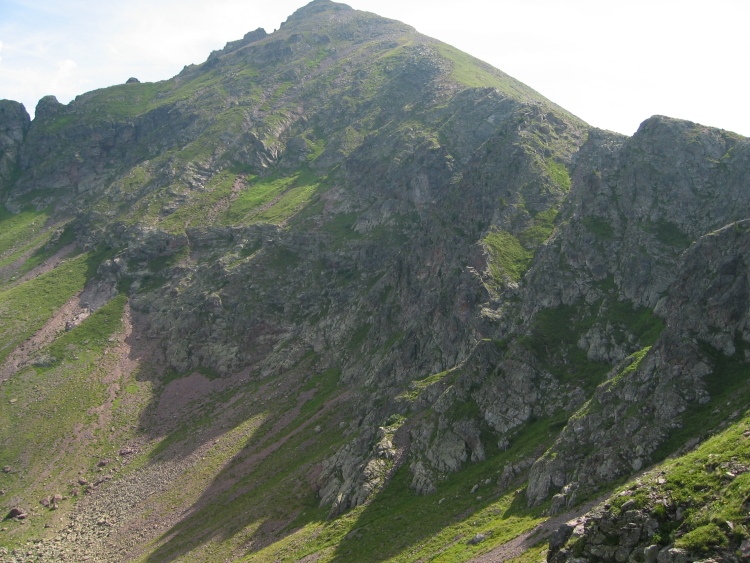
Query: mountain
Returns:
{"type": "Point", "coordinates": [343, 292]}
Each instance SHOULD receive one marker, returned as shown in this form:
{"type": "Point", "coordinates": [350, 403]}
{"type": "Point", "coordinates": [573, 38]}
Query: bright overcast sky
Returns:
{"type": "Point", "coordinates": [613, 63]}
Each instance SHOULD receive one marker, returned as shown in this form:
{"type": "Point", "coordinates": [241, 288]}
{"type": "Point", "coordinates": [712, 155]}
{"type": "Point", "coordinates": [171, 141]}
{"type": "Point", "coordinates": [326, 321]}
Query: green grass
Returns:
{"type": "Point", "coordinates": [703, 538]}
{"type": "Point", "coordinates": [125, 101]}
{"type": "Point", "coordinates": [325, 385]}
{"type": "Point", "coordinates": [289, 204]}
{"type": "Point", "coordinates": [274, 199]}
{"type": "Point", "coordinates": [46, 247]}
{"type": "Point", "coordinates": [203, 147]}
{"type": "Point", "coordinates": [417, 387]}
{"type": "Point", "coordinates": [194, 212]}
{"type": "Point", "coordinates": [509, 260]}
{"type": "Point", "coordinates": [274, 488]}
{"type": "Point", "coordinates": [50, 432]}
{"type": "Point", "coordinates": [281, 259]}
{"type": "Point", "coordinates": [26, 308]}
{"type": "Point", "coordinates": [474, 73]}
{"type": "Point", "coordinates": [635, 362]}
{"type": "Point", "coordinates": [341, 229]}
{"type": "Point", "coordinates": [541, 229]}
{"type": "Point", "coordinates": [669, 234]}
{"type": "Point", "coordinates": [93, 333]}
{"type": "Point", "coordinates": [259, 192]}
{"type": "Point", "coordinates": [698, 482]}
{"type": "Point", "coordinates": [401, 526]}
{"type": "Point", "coordinates": [29, 254]}
{"type": "Point", "coordinates": [709, 486]}
{"type": "Point", "coordinates": [535, 554]}
{"type": "Point", "coordinates": [398, 525]}
{"type": "Point", "coordinates": [638, 321]}
{"type": "Point", "coordinates": [17, 230]}
{"type": "Point", "coordinates": [558, 172]}
{"type": "Point", "coordinates": [358, 337]}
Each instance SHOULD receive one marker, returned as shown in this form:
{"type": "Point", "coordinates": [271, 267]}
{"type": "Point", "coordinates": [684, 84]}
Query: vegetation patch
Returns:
{"type": "Point", "coordinates": [247, 206]}
{"type": "Point", "coordinates": [635, 362]}
{"type": "Point", "coordinates": [540, 231]}
{"type": "Point", "coordinates": [19, 227]}
{"type": "Point", "coordinates": [50, 432]}
{"type": "Point", "coordinates": [289, 204]}
{"type": "Point", "coordinates": [358, 337]}
{"type": "Point", "coordinates": [417, 387]}
{"type": "Point", "coordinates": [282, 259]}
{"type": "Point", "coordinates": [93, 333]}
{"type": "Point", "coordinates": [400, 526]}
{"type": "Point", "coordinates": [474, 73]}
{"type": "Point", "coordinates": [638, 321]}
{"type": "Point", "coordinates": [194, 212]}
{"type": "Point", "coordinates": [24, 309]}
{"type": "Point", "coordinates": [558, 173]}
{"type": "Point", "coordinates": [703, 538]}
{"type": "Point", "coordinates": [341, 228]}
{"type": "Point", "coordinates": [325, 385]}
{"type": "Point", "coordinates": [508, 259]}
{"type": "Point", "coordinates": [710, 486]}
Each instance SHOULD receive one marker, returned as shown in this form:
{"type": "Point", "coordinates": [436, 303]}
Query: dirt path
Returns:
{"type": "Point", "coordinates": [543, 531]}
{"type": "Point", "coordinates": [21, 355]}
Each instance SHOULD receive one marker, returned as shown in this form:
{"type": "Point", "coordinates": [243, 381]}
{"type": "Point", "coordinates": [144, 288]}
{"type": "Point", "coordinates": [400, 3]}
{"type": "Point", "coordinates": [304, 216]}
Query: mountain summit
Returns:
{"type": "Point", "coordinates": [343, 292]}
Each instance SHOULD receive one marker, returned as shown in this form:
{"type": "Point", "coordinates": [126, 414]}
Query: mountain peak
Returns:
{"type": "Point", "coordinates": [317, 7]}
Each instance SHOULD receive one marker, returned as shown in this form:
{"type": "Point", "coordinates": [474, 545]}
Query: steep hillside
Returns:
{"type": "Point", "coordinates": [343, 292]}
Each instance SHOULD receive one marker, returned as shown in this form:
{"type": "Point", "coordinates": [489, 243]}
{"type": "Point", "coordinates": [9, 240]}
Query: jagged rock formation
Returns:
{"type": "Point", "coordinates": [405, 262]}
{"type": "Point", "coordinates": [14, 124]}
{"type": "Point", "coordinates": [631, 415]}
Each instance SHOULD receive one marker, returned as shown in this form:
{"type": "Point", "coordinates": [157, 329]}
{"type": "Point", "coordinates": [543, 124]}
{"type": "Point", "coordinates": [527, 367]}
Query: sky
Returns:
{"type": "Point", "coordinates": [612, 63]}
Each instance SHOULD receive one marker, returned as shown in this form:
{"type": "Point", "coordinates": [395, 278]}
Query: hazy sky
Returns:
{"type": "Point", "coordinates": [613, 63]}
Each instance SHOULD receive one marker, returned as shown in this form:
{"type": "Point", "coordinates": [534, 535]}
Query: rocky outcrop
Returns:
{"type": "Point", "coordinates": [684, 511]}
{"type": "Point", "coordinates": [14, 124]}
{"type": "Point", "coordinates": [640, 247]}
{"type": "Point", "coordinates": [631, 415]}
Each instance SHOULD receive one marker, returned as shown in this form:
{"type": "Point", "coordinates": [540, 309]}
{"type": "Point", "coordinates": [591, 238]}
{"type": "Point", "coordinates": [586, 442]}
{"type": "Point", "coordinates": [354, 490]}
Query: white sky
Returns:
{"type": "Point", "coordinates": [613, 63]}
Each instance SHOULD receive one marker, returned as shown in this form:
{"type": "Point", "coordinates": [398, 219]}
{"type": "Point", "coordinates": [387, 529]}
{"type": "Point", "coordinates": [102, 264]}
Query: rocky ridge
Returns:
{"type": "Point", "coordinates": [454, 270]}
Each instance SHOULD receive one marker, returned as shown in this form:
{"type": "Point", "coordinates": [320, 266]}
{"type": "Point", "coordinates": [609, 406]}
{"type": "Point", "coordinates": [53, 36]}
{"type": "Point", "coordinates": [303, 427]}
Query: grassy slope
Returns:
{"type": "Point", "coordinates": [277, 490]}
{"type": "Point", "coordinates": [50, 428]}
{"type": "Point", "coordinates": [710, 485]}
{"type": "Point", "coordinates": [439, 525]}
{"type": "Point", "coordinates": [24, 309]}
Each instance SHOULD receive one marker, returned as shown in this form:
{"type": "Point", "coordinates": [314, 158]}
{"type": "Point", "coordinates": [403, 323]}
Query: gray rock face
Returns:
{"type": "Point", "coordinates": [14, 124]}
{"type": "Point", "coordinates": [700, 292]}
{"type": "Point", "coordinates": [630, 416]}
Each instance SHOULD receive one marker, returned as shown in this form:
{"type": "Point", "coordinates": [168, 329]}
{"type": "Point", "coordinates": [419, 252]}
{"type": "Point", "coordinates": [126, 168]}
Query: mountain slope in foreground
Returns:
{"type": "Point", "coordinates": [343, 292]}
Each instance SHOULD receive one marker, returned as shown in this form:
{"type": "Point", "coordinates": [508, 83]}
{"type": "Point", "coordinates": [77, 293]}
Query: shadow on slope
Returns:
{"type": "Point", "coordinates": [263, 504]}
